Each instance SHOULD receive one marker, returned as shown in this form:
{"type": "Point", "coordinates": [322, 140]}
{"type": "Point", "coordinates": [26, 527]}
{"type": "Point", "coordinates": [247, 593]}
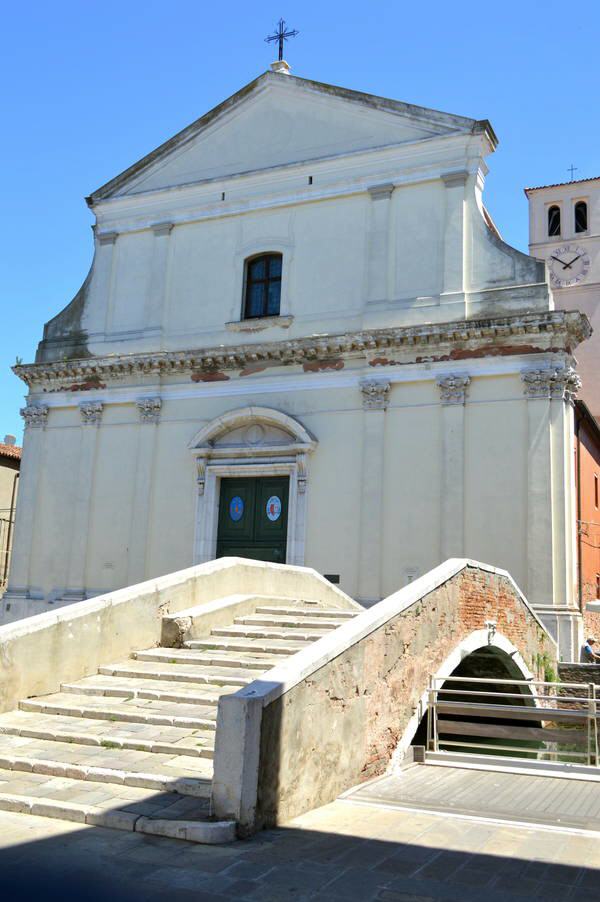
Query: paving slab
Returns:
{"type": "Point", "coordinates": [552, 801]}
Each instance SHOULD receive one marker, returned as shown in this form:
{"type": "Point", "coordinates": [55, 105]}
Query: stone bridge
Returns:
{"type": "Point", "coordinates": [239, 694]}
{"type": "Point", "coordinates": [346, 709]}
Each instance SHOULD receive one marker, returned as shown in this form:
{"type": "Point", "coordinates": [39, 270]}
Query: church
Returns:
{"type": "Point", "coordinates": [303, 340]}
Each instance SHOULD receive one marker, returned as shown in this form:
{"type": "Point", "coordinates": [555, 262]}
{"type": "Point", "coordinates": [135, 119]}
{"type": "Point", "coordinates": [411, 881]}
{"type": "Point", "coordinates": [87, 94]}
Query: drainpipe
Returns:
{"type": "Point", "coordinates": [11, 518]}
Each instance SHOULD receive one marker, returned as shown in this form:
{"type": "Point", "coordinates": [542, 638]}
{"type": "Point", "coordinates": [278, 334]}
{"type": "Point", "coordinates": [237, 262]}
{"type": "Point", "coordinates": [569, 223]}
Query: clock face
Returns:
{"type": "Point", "coordinates": [568, 265]}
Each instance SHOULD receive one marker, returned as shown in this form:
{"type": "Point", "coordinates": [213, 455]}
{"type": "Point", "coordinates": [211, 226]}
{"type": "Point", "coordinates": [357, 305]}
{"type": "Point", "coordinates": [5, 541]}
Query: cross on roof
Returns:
{"type": "Point", "coordinates": [571, 168]}
{"type": "Point", "coordinates": [281, 35]}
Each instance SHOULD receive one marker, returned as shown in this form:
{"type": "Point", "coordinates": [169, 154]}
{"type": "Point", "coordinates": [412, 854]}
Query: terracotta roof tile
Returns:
{"type": "Point", "coordinates": [594, 178]}
{"type": "Point", "coordinates": [10, 451]}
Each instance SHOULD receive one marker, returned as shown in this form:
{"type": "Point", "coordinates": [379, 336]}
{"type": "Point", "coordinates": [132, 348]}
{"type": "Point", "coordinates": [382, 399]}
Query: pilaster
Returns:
{"type": "Point", "coordinates": [378, 242]}
{"type": "Point", "coordinates": [98, 313]}
{"type": "Point", "coordinates": [158, 282]}
{"type": "Point", "coordinates": [539, 589]}
{"type": "Point", "coordinates": [551, 517]}
{"type": "Point", "coordinates": [149, 416]}
{"type": "Point", "coordinates": [453, 390]}
{"type": "Point", "coordinates": [91, 418]}
{"type": "Point", "coordinates": [453, 281]}
{"type": "Point", "coordinates": [19, 582]}
{"type": "Point", "coordinates": [375, 394]}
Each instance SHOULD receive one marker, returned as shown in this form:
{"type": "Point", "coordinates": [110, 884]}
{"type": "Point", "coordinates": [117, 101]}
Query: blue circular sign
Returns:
{"type": "Point", "coordinates": [274, 508]}
{"type": "Point", "coordinates": [236, 508]}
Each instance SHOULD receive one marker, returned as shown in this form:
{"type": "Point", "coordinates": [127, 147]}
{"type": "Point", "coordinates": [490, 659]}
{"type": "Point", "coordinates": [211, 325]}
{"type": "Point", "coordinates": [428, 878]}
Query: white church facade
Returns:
{"type": "Point", "coordinates": [302, 339]}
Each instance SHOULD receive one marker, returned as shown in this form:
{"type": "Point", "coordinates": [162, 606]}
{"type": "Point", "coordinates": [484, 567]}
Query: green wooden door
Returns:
{"type": "Point", "coordinates": [253, 515]}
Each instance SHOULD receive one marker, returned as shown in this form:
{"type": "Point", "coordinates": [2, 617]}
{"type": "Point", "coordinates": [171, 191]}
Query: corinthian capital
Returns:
{"type": "Point", "coordinates": [453, 387]}
{"type": "Point", "coordinates": [149, 409]}
{"type": "Point", "coordinates": [565, 384]}
{"type": "Point", "coordinates": [560, 383]}
{"type": "Point", "coordinates": [91, 412]}
{"type": "Point", "coordinates": [35, 415]}
{"type": "Point", "coordinates": [375, 393]}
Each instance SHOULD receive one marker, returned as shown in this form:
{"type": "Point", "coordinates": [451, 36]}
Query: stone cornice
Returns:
{"type": "Point", "coordinates": [551, 331]}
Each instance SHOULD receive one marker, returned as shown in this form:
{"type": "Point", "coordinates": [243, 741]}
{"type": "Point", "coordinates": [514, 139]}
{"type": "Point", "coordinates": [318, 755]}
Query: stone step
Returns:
{"type": "Point", "coordinates": [289, 621]}
{"type": "Point", "coordinates": [108, 734]}
{"type": "Point", "coordinates": [327, 613]}
{"type": "Point", "coordinates": [162, 773]}
{"type": "Point", "coordinates": [110, 805]}
{"type": "Point", "coordinates": [141, 711]}
{"type": "Point", "coordinates": [161, 690]}
{"type": "Point", "coordinates": [269, 632]}
{"type": "Point", "coordinates": [260, 646]}
{"type": "Point", "coordinates": [187, 673]}
{"type": "Point", "coordinates": [207, 659]}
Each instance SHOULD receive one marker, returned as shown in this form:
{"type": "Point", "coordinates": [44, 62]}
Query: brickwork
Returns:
{"type": "Point", "coordinates": [579, 673]}
{"type": "Point", "coordinates": [356, 708]}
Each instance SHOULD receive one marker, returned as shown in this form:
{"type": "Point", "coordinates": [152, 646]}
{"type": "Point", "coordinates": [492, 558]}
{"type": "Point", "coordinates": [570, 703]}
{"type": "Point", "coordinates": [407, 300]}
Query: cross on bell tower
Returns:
{"type": "Point", "coordinates": [281, 35]}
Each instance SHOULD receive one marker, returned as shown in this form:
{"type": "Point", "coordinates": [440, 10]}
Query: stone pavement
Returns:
{"type": "Point", "coordinates": [343, 851]}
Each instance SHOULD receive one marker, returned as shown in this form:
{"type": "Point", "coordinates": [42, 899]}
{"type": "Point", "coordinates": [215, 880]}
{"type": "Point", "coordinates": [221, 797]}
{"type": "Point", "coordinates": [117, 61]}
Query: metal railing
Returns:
{"type": "Point", "coordinates": [529, 719]}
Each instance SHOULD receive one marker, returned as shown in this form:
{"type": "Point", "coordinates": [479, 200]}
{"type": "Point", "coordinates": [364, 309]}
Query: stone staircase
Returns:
{"type": "Point", "coordinates": [132, 747]}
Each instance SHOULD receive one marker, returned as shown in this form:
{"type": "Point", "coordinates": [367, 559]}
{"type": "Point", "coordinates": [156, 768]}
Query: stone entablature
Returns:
{"type": "Point", "coordinates": [554, 331]}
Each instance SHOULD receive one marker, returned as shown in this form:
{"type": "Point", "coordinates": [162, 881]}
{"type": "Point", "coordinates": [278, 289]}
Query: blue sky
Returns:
{"type": "Point", "coordinates": [90, 87]}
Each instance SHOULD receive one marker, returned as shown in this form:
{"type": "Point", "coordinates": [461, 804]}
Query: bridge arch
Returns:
{"type": "Point", "coordinates": [505, 662]}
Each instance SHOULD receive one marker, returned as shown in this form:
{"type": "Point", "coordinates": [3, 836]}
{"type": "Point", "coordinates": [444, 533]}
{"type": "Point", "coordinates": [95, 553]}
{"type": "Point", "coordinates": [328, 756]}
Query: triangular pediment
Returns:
{"type": "Point", "coordinates": [277, 120]}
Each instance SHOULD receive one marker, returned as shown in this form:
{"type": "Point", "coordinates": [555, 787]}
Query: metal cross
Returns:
{"type": "Point", "coordinates": [572, 169]}
{"type": "Point", "coordinates": [281, 35]}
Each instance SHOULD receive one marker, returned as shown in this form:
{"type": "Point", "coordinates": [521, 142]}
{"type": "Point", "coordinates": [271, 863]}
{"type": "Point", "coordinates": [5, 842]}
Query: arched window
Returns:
{"type": "Point", "coordinates": [581, 217]}
{"type": "Point", "coordinates": [263, 286]}
{"type": "Point", "coordinates": [553, 221]}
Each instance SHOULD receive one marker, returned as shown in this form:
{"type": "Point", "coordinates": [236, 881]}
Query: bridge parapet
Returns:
{"type": "Point", "coordinates": [337, 713]}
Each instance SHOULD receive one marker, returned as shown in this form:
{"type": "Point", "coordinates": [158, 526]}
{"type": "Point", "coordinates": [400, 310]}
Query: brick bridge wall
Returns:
{"type": "Point", "coordinates": [341, 724]}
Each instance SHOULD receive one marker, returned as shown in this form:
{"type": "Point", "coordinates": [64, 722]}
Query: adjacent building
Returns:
{"type": "Point", "coordinates": [302, 339]}
{"type": "Point", "coordinates": [564, 231]}
{"type": "Point", "coordinates": [10, 461]}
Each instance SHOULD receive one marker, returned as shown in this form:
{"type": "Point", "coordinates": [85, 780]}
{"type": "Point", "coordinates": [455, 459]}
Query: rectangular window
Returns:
{"type": "Point", "coordinates": [598, 585]}
{"type": "Point", "coordinates": [263, 286]}
{"type": "Point", "coordinates": [596, 492]}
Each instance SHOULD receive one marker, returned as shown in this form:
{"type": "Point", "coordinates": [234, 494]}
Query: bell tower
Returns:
{"type": "Point", "coordinates": [564, 230]}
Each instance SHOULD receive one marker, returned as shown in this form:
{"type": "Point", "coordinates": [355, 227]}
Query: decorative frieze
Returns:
{"type": "Point", "coordinates": [453, 387]}
{"type": "Point", "coordinates": [557, 383]}
{"type": "Point", "coordinates": [91, 412]}
{"type": "Point", "coordinates": [149, 409]}
{"type": "Point", "coordinates": [35, 415]}
{"type": "Point", "coordinates": [550, 329]}
{"type": "Point", "coordinates": [375, 393]}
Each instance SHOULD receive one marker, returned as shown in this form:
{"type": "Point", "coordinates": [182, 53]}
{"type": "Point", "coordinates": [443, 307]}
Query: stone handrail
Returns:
{"type": "Point", "coordinates": [39, 653]}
